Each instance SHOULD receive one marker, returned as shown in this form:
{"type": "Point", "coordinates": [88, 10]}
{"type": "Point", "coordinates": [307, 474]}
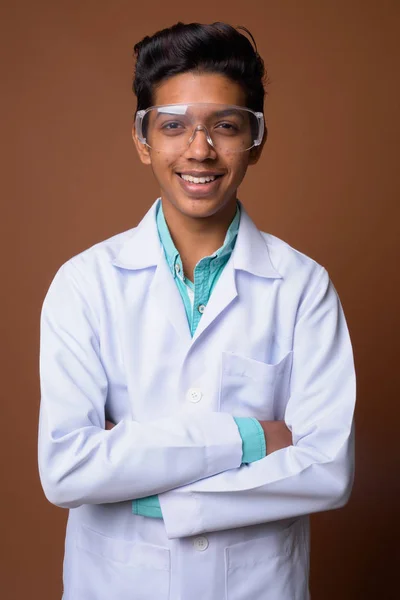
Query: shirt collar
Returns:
{"type": "Point", "coordinates": [171, 252]}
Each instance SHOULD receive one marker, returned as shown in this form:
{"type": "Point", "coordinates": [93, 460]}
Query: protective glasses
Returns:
{"type": "Point", "coordinates": [172, 128]}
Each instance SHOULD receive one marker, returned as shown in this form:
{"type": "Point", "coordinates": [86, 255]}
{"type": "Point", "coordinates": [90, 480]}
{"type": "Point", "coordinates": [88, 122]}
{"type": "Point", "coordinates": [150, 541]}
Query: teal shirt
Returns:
{"type": "Point", "coordinates": [195, 296]}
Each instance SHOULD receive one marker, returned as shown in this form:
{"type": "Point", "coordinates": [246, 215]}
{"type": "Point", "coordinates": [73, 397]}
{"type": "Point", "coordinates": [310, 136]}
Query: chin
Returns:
{"type": "Point", "coordinates": [199, 207]}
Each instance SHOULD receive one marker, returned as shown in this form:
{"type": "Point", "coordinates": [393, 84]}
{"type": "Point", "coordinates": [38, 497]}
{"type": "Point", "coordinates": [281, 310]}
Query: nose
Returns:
{"type": "Point", "coordinates": [200, 145]}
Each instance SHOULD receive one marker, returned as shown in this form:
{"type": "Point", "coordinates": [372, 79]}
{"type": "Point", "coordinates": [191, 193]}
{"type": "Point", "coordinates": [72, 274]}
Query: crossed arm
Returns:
{"type": "Point", "coordinates": [194, 465]}
{"type": "Point", "coordinates": [277, 434]}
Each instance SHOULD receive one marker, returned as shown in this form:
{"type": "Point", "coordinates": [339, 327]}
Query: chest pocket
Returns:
{"type": "Point", "coordinates": [251, 388]}
{"type": "Point", "coordinates": [115, 568]}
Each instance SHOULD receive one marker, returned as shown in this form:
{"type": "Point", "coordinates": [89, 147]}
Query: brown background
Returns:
{"type": "Point", "coordinates": [328, 184]}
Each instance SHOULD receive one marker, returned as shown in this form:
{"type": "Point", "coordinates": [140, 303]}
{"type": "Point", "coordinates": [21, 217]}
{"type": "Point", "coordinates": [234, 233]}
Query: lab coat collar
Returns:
{"type": "Point", "coordinates": [251, 251]}
{"type": "Point", "coordinates": [144, 249]}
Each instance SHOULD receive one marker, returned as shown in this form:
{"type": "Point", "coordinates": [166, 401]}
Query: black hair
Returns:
{"type": "Point", "coordinates": [216, 48]}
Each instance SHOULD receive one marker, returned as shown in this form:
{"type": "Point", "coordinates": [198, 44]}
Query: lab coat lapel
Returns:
{"type": "Point", "coordinates": [143, 250]}
{"type": "Point", "coordinates": [249, 254]}
{"type": "Point", "coordinates": [222, 296]}
{"type": "Point", "coordinates": [169, 301]}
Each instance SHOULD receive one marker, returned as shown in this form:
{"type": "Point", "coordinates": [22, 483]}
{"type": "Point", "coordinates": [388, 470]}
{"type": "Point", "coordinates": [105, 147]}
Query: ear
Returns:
{"type": "Point", "coordinates": [142, 149]}
{"type": "Point", "coordinates": [256, 152]}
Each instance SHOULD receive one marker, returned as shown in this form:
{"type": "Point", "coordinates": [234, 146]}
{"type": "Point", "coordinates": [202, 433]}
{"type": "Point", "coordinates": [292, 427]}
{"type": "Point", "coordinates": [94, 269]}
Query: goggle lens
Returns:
{"type": "Point", "coordinates": [173, 128]}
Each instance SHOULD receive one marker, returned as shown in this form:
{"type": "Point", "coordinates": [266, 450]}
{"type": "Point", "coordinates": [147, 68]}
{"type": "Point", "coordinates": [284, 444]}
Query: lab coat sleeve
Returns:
{"type": "Point", "coordinates": [316, 473]}
{"type": "Point", "coordinates": [79, 461]}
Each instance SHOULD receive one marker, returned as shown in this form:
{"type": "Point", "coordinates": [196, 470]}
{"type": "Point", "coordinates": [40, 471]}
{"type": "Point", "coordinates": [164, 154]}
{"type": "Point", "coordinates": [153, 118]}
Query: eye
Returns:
{"type": "Point", "coordinates": [172, 125]}
{"type": "Point", "coordinates": [227, 126]}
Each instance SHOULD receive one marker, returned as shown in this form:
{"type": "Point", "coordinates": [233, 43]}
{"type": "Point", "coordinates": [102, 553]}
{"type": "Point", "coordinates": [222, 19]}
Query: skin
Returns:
{"type": "Point", "coordinates": [198, 225]}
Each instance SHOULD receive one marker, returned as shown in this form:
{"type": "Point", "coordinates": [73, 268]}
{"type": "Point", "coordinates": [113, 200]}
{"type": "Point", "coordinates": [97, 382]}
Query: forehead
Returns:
{"type": "Point", "coordinates": [199, 87]}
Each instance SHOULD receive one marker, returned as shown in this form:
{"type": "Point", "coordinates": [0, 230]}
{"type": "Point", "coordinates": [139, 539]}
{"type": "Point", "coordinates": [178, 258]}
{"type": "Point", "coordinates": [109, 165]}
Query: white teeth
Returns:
{"type": "Point", "coordinates": [198, 179]}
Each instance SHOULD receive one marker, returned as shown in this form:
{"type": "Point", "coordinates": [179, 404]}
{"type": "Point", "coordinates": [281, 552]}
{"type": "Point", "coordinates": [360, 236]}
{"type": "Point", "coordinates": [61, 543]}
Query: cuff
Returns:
{"type": "Point", "coordinates": [147, 507]}
{"type": "Point", "coordinates": [253, 439]}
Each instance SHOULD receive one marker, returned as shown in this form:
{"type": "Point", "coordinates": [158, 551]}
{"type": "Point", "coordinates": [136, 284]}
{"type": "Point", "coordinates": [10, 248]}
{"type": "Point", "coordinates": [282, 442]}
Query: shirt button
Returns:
{"type": "Point", "coordinates": [194, 395]}
{"type": "Point", "coordinates": [177, 268]}
{"type": "Point", "coordinates": [200, 543]}
{"type": "Point", "coordinates": [201, 308]}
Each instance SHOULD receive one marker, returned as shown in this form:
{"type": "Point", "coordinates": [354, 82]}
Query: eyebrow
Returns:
{"type": "Point", "coordinates": [169, 114]}
{"type": "Point", "coordinates": [228, 112]}
{"type": "Point", "coordinates": [218, 114]}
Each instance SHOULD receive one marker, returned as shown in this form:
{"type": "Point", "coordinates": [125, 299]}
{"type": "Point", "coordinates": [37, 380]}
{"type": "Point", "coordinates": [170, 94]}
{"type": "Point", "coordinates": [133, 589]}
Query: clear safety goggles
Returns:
{"type": "Point", "coordinates": [226, 127]}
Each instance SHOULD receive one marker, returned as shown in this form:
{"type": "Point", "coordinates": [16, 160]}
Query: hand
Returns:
{"type": "Point", "coordinates": [277, 435]}
{"type": "Point", "coordinates": [109, 425]}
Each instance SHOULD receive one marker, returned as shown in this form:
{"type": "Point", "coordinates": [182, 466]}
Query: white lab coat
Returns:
{"type": "Point", "coordinates": [115, 342]}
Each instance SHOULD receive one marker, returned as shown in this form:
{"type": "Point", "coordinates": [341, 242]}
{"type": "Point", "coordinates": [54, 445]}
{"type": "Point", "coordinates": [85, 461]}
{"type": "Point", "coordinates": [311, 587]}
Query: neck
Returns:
{"type": "Point", "coordinates": [196, 238]}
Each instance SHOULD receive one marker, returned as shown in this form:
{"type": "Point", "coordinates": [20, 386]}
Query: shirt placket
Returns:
{"type": "Point", "coordinates": [201, 295]}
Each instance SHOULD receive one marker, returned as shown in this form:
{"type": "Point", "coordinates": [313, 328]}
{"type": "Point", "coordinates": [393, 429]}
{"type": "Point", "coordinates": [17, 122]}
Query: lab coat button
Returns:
{"type": "Point", "coordinates": [201, 308]}
{"type": "Point", "coordinates": [200, 543]}
{"type": "Point", "coordinates": [194, 395]}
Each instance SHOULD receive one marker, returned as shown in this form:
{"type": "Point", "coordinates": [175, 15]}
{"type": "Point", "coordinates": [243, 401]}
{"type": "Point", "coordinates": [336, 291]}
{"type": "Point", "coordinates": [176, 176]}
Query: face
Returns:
{"type": "Point", "coordinates": [199, 159]}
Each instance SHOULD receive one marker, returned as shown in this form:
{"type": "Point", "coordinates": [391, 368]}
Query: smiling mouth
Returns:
{"type": "Point", "coordinates": [199, 180]}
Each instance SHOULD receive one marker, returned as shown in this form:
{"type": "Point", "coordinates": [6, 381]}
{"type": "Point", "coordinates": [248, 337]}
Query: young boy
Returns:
{"type": "Point", "coordinates": [197, 374]}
